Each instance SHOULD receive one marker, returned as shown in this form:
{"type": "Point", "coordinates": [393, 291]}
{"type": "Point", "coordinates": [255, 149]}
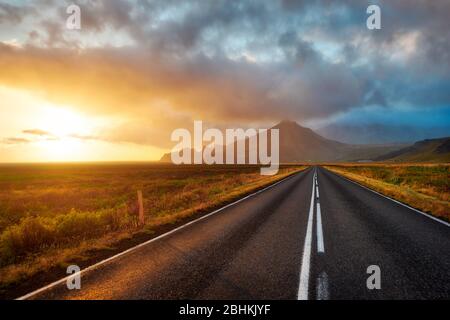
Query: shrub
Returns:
{"type": "Point", "coordinates": [79, 225]}
{"type": "Point", "coordinates": [30, 235]}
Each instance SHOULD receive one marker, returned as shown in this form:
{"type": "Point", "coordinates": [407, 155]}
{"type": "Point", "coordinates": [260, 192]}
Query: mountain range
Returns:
{"type": "Point", "coordinates": [435, 150]}
{"type": "Point", "coordinates": [301, 144]}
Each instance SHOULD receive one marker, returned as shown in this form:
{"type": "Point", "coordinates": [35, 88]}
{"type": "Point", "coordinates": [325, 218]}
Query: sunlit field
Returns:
{"type": "Point", "coordinates": [422, 186]}
{"type": "Point", "coordinates": [53, 214]}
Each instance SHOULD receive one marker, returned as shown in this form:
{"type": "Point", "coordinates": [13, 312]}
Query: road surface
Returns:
{"type": "Point", "coordinates": [304, 238]}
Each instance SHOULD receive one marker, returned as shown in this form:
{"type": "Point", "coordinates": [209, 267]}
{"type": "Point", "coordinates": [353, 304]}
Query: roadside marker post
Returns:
{"type": "Point", "coordinates": [141, 208]}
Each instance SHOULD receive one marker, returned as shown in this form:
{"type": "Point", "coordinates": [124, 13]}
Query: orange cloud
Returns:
{"type": "Point", "coordinates": [137, 83]}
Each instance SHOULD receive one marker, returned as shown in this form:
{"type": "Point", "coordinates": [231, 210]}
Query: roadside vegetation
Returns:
{"type": "Point", "coordinates": [52, 215]}
{"type": "Point", "coordinates": [423, 186]}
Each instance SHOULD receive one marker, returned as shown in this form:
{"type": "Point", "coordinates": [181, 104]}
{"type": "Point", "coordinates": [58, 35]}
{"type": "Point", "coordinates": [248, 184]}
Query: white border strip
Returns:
{"type": "Point", "coordinates": [306, 258]}
{"type": "Point", "coordinates": [98, 264]}
{"type": "Point", "coordinates": [396, 201]}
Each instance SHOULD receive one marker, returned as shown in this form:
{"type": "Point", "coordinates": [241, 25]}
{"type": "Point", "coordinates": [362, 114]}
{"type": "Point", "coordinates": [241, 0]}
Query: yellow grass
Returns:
{"type": "Point", "coordinates": [423, 186]}
{"type": "Point", "coordinates": [50, 215]}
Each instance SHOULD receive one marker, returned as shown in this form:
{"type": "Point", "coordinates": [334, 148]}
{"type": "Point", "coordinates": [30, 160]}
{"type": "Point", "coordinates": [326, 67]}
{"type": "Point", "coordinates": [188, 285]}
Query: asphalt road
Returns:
{"type": "Point", "coordinates": [300, 239]}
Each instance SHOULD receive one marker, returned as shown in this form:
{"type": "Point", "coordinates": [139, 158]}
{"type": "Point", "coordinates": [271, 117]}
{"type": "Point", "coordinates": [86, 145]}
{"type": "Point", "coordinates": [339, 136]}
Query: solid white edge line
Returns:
{"type": "Point", "coordinates": [320, 245]}
{"type": "Point", "coordinates": [396, 201]}
{"type": "Point", "coordinates": [304, 271]}
{"type": "Point", "coordinates": [98, 264]}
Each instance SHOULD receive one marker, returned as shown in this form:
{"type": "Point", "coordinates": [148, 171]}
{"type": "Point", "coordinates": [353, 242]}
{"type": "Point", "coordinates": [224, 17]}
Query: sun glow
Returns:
{"type": "Point", "coordinates": [36, 130]}
{"type": "Point", "coordinates": [63, 122]}
{"type": "Point", "coordinates": [62, 149]}
{"type": "Point", "coordinates": [64, 130]}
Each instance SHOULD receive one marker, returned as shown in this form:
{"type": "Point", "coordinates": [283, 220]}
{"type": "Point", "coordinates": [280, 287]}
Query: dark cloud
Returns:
{"type": "Point", "coordinates": [14, 14]}
{"type": "Point", "coordinates": [97, 15]}
{"type": "Point", "coordinates": [237, 61]}
{"type": "Point", "coordinates": [215, 88]}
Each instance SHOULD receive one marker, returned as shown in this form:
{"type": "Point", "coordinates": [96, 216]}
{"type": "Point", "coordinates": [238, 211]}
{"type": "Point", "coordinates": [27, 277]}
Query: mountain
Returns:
{"type": "Point", "coordinates": [435, 150]}
{"type": "Point", "coordinates": [300, 144]}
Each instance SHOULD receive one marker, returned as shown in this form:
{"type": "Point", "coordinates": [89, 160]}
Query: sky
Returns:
{"type": "Point", "coordinates": [136, 70]}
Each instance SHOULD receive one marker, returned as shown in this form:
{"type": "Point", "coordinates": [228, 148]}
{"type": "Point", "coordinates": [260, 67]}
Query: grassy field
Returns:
{"type": "Point", "coordinates": [51, 214]}
{"type": "Point", "coordinates": [422, 186]}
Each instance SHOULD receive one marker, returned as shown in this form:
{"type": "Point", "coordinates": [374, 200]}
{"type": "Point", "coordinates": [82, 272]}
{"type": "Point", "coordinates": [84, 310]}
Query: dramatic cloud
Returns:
{"type": "Point", "coordinates": [160, 64]}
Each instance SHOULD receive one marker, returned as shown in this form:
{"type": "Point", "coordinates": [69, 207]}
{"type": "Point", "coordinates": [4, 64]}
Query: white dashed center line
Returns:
{"type": "Point", "coordinates": [322, 292]}
{"type": "Point", "coordinates": [304, 272]}
{"type": "Point", "coordinates": [322, 287]}
{"type": "Point", "coordinates": [320, 246]}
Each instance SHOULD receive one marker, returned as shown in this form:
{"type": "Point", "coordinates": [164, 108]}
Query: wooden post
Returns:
{"type": "Point", "coordinates": [141, 208]}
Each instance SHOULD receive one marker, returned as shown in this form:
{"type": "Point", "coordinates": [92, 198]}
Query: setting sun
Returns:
{"type": "Point", "coordinates": [62, 122]}
{"type": "Point", "coordinates": [63, 127]}
{"type": "Point", "coordinates": [42, 131]}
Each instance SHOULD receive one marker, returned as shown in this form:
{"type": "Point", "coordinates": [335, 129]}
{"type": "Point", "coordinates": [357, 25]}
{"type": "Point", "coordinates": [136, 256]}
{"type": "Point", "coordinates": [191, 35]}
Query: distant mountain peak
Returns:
{"type": "Point", "coordinates": [288, 125]}
{"type": "Point", "coordinates": [287, 122]}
